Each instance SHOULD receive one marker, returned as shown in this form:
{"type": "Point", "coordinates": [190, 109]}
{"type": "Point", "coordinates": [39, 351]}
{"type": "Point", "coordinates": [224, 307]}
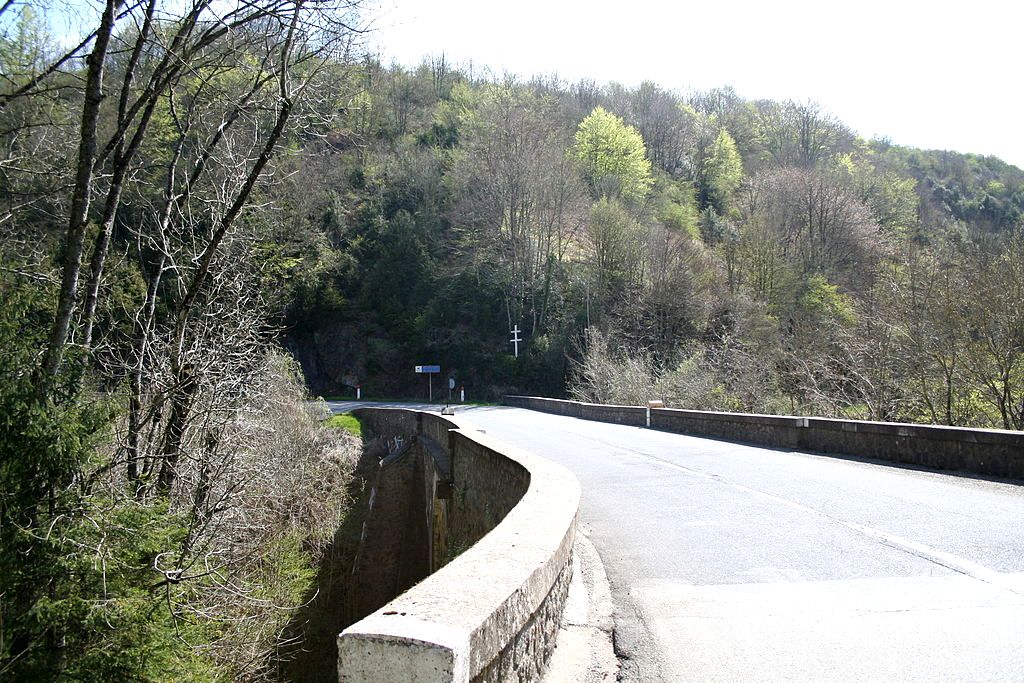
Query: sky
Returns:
{"type": "Point", "coordinates": [937, 75]}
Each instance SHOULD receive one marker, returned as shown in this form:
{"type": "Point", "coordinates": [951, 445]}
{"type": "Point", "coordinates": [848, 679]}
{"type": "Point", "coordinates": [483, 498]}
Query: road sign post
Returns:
{"type": "Point", "coordinates": [429, 371]}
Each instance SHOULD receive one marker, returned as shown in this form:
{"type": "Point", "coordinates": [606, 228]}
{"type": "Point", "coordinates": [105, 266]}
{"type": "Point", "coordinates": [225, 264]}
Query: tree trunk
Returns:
{"type": "Point", "coordinates": [122, 161]}
{"type": "Point", "coordinates": [177, 423]}
{"type": "Point", "coordinates": [143, 330]}
{"type": "Point", "coordinates": [79, 217]}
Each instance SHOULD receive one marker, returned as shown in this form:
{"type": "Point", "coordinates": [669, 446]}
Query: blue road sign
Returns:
{"type": "Point", "coordinates": [428, 369]}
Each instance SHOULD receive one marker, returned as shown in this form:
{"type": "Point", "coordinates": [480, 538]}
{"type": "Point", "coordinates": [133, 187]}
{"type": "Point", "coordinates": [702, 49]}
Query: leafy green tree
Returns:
{"type": "Point", "coordinates": [818, 301]}
{"type": "Point", "coordinates": [613, 157]}
{"type": "Point", "coordinates": [676, 208]}
{"type": "Point", "coordinates": [891, 196]}
{"type": "Point", "coordinates": [723, 172]}
{"type": "Point", "coordinates": [397, 284]}
{"type": "Point", "coordinates": [75, 566]}
{"type": "Point", "coordinates": [726, 109]}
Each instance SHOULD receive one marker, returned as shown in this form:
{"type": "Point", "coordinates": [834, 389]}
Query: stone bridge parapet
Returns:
{"type": "Point", "coordinates": [492, 611]}
{"type": "Point", "coordinates": [987, 452]}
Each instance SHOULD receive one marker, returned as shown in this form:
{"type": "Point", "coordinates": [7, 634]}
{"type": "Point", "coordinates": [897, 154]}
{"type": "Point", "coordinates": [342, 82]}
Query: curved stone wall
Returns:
{"type": "Point", "coordinates": [492, 612]}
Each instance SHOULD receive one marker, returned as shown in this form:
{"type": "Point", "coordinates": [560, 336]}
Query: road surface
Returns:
{"type": "Point", "coordinates": [730, 562]}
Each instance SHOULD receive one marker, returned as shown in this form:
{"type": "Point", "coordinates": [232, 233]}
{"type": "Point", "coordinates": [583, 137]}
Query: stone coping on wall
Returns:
{"type": "Point", "coordinates": [456, 623]}
{"type": "Point", "coordinates": [935, 432]}
{"type": "Point", "coordinates": [751, 418]}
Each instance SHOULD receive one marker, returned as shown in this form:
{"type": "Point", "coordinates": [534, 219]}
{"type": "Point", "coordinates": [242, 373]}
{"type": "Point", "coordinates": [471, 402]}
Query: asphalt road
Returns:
{"type": "Point", "coordinates": [730, 562]}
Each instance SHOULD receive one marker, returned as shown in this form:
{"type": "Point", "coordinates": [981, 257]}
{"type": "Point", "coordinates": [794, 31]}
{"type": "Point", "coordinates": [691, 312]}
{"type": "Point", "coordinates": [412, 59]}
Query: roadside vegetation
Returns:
{"type": "Point", "coordinates": [346, 422]}
{"type": "Point", "coordinates": [167, 490]}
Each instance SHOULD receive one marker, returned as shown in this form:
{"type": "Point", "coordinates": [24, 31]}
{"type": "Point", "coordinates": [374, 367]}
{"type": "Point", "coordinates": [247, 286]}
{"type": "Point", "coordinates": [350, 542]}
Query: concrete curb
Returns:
{"type": "Point", "coordinates": [584, 651]}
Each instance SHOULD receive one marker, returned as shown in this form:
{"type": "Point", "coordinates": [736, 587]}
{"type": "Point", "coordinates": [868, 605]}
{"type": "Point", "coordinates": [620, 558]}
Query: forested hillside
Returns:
{"type": "Point", "coordinates": [718, 252]}
{"type": "Point", "coordinates": [198, 187]}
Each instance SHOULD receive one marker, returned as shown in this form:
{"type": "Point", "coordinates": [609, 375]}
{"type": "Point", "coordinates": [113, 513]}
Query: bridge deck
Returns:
{"type": "Point", "coordinates": [731, 562]}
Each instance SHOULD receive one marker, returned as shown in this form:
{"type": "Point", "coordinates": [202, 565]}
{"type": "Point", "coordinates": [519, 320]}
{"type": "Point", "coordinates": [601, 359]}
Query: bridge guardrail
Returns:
{"type": "Point", "coordinates": [988, 452]}
{"type": "Point", "coordinates": [493, 612]}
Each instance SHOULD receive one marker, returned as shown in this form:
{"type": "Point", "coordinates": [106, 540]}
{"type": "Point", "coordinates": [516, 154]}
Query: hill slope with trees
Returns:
{"type": "Point", "coordinates": [715, 251]}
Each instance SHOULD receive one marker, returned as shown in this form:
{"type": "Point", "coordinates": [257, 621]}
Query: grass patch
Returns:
{"type": "Point", "coordinates": [347, 421]}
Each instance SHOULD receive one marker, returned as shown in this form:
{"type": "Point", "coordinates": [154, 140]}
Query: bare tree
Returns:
{"type": "Point", "coordinates": [521, 199]}
{"type": "Point", "coordinates": [665, 127]}
{"type": "Point", "coordinates": [81, 198]}
{"type": "Point", "coordinates": [204, 35]}
{"type": "Point", "coordinates": [810, 221]}
{"type": "Point", "coordinates": [800, 133]}
{"type": "Point", "coordinates": [993, 316]}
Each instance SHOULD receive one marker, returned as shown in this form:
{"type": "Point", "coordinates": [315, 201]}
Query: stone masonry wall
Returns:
{"type": "Point", "coordinates": [486, 485]}
{"type": "Point", "coordinates": [493, 613]}
{"type": "Point", "coordinates": [626, 415]}
{"type": "Point", "coordinates": [394, 549]}
{"type": "Point", "coordinates": [769, 430]}
{"type": "Point", "coordinates": [525, 657]}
